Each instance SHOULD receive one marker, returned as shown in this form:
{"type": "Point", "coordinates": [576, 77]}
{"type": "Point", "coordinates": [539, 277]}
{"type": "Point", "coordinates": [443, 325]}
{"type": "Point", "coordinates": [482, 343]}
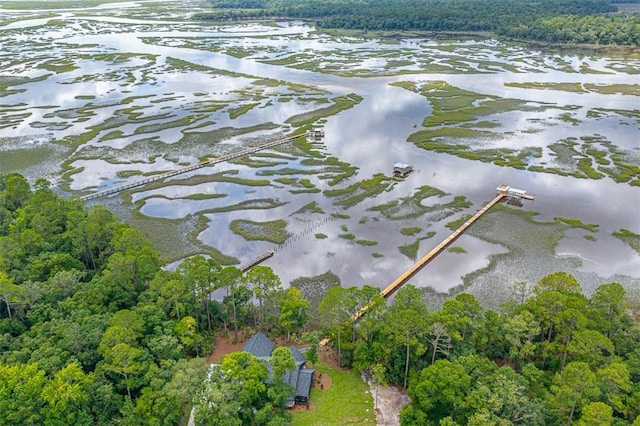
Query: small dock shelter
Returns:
{"type": "Point", "coordinates": [402, 169]}
{"type": "Point", "coordinates": [317, 132]}
{"type": "Point", "coordinates": [514, 196]}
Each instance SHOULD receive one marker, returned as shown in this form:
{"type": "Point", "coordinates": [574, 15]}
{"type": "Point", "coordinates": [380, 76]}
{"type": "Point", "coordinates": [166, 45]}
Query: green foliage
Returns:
{"type": "Point", "coordinates": [596, 413]}
{"type": "Point", "coordinates": [363, 242]}
{"type": "Point", "coordinates": [236, 392]}
{"type": "Point", "coordinates": [560, 353]}
{"type": "Point", "coordinates": [457, 249]}
{"type": "Point", "coordinates": [440, 389]}
{"type": "Point", "coordinates": [282, 361]}
{"type": "Point", "coordinates": [559, 21]}
{"type": "Point", "coordinates": [312, 354]}
{"type": "Point", "coordinates": [335, 309]}
{"type": "Point", "coordinates": [504, 396]}
{"type": "Point", "coordinates": [630, 238]}
{"type": "Point", "coordinates": [592, 29]}
{"type": "Point", "coordinates": [267, 288]}
{"type": "Point", "coordinates": [411, 230]}
{"type": "Point", "coordinates": [294, 311]}
{"type": "Point", "coordinates": [94, 331]}
{"type": "Point", "coordinates": [20, 393]}
{"type": "Point", "coordinates": [572, 389]}
{"type": "Point", "coordinates": [577, 223]}
{"type": "Point", "coordinates": [98, 332]}
{"type": "Point", "coordinates": [358, 192]}
{"type": "Point", "coordinates": [274, 231]}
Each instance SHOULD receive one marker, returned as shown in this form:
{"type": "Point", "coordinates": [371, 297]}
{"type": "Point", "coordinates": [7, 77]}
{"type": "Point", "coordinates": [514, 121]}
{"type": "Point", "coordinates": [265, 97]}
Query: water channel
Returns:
{"type": "Point", "coordinates": [147, 91]}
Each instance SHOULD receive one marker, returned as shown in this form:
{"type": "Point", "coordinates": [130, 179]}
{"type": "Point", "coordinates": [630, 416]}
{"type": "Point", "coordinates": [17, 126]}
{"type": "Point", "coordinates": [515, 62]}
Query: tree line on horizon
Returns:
{"type": "Point", "coordinates": [95, 329]}
{"type": "Point", "coordinates": [556, 21]}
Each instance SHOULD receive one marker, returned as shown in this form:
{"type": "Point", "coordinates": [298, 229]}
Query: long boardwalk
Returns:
{"type": "Point", "coordinates": [155, 178]}
{"type": "Point", "coordinates": [503, 192]}
{"type": "Point", "coordinates": [257, 260]}
{"type": "Point", "coordinates": [406, 275]}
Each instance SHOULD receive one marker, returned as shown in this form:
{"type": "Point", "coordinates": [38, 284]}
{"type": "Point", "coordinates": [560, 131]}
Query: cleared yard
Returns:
{"type": "Point", "coordinates": [346, 401]}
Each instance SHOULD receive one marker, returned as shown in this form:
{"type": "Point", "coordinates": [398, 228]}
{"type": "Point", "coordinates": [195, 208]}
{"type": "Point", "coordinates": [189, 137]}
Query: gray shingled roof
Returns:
{"type": "Point", "coordinates": [299, 378]}
{"type": "Point", "coordinates": [305, 380]}
{"type": "Point", "coordinates": [259, 345]}
{"type": "Point", "coordinates": [298, 356]}
{"type": "Point", "coordinates": [291, 377]}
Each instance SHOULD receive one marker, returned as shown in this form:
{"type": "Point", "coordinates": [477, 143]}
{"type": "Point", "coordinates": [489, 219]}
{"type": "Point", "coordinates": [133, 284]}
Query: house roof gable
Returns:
{"type": "Point", "coordinates": [297, 355]}
{"type": "Point", "coordinates": [299, 378]}
{"type": "Point", "coordinates": [259, 345]}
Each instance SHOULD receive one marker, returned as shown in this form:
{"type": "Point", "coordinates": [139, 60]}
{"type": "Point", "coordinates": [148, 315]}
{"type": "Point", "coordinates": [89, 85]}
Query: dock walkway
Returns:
{"type": "Point", "coordinates": [257, 260]}
{"type": "Point", "coordinates": [162, 176]}
{"type": "Point", "coordinates": [503, 193]}
{"type": "Point", "coordinates": [406, 275]}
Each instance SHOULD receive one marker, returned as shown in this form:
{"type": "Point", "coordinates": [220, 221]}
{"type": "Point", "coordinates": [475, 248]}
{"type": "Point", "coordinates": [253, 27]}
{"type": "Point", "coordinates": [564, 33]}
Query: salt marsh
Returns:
{"type": "Point", "coordinates": [98, 96]}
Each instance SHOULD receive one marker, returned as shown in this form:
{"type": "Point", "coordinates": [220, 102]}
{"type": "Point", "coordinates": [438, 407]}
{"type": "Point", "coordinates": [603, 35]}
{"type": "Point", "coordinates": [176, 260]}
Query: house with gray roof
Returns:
{"type": "Point", "coordinates": [259, 345]}
{"type": "Point", "coordinates": [300, 378]}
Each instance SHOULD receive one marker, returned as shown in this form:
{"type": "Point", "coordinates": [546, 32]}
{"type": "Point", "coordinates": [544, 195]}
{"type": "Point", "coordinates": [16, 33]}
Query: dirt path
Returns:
{"type": "Point", "coordinates": [390, 401]}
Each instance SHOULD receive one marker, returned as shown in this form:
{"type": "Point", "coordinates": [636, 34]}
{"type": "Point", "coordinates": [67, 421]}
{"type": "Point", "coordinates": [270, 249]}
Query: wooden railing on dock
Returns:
{"type": "Point", "coordinates": [256, 260]}
{"type": "Point", "coordinates": [406, 275]}
{"type": "Point", "coordinates": [186, 169]}
{"type": "Point", "coordinates": [503, 192]}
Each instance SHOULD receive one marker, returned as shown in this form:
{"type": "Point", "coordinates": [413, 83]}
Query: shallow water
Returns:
{"type": "Point", "coordinates": [100, 74]}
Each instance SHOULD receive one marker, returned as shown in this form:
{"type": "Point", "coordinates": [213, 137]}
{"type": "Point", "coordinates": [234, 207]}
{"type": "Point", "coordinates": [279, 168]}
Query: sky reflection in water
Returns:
{"type": "Point", "coordinates": [371, 136]}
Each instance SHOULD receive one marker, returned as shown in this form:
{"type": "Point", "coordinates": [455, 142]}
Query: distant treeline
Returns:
{"type": "Point", "coordinates": [560, 21]}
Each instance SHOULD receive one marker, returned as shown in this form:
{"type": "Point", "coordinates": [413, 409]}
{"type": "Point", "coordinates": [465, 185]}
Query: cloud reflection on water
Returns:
{"type": "Point", "coordinates": [371, 136]}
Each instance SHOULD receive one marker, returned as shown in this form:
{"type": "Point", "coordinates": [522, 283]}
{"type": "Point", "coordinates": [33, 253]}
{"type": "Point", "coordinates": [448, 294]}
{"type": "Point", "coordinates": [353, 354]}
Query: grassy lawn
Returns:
{"type": "Point", "coordinates": [346, 402]}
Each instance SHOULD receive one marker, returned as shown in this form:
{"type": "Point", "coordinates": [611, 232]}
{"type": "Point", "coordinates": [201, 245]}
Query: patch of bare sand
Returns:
{"type": "Point", "coordinates": [330, 357]}
{"type": "Point", "coordinates": [322, 381]}
{"type": "Point", "coordinates": [390, 400]}
{"type": "Point", "coordinates": [388, 404]}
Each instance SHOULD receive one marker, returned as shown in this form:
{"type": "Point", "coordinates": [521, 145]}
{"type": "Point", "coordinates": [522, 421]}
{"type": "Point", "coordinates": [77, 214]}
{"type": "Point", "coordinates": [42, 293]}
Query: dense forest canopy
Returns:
{"type": "Point", "coordinates": [95, 330]}
{"type": "Point", "coordinates": [566, 21]}
{"type": "Point", "coordinates": [550, 356]}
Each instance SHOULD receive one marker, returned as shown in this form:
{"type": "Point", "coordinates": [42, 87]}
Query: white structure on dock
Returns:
{"type": "Point", "coordinates": [402, 169]}
{"type": "Point", "coordinates": [514, 196]}
{"type": "Point", "coordinates": [316, 133]}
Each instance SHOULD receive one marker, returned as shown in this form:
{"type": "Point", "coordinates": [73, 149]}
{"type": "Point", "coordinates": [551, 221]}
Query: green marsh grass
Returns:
{"type": "Point", "coordinates": [274, 231]}
{"type": "Point", "coordinates": [457, 249]}
{"type": "Point", "coordinates": [411, 230]}
{"type": "Point", "coordinates": [629, 238]}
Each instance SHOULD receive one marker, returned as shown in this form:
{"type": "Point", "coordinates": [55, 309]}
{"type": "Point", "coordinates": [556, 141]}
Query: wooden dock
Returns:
{"type": "Point", "coordinates": [256, 260]}
{"type": "Point", "coordinates": [503, 193]}
{"type": "Point", "coordinates": [406, 275]}
{"type": "Point", "coordinates": [162, 176]}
